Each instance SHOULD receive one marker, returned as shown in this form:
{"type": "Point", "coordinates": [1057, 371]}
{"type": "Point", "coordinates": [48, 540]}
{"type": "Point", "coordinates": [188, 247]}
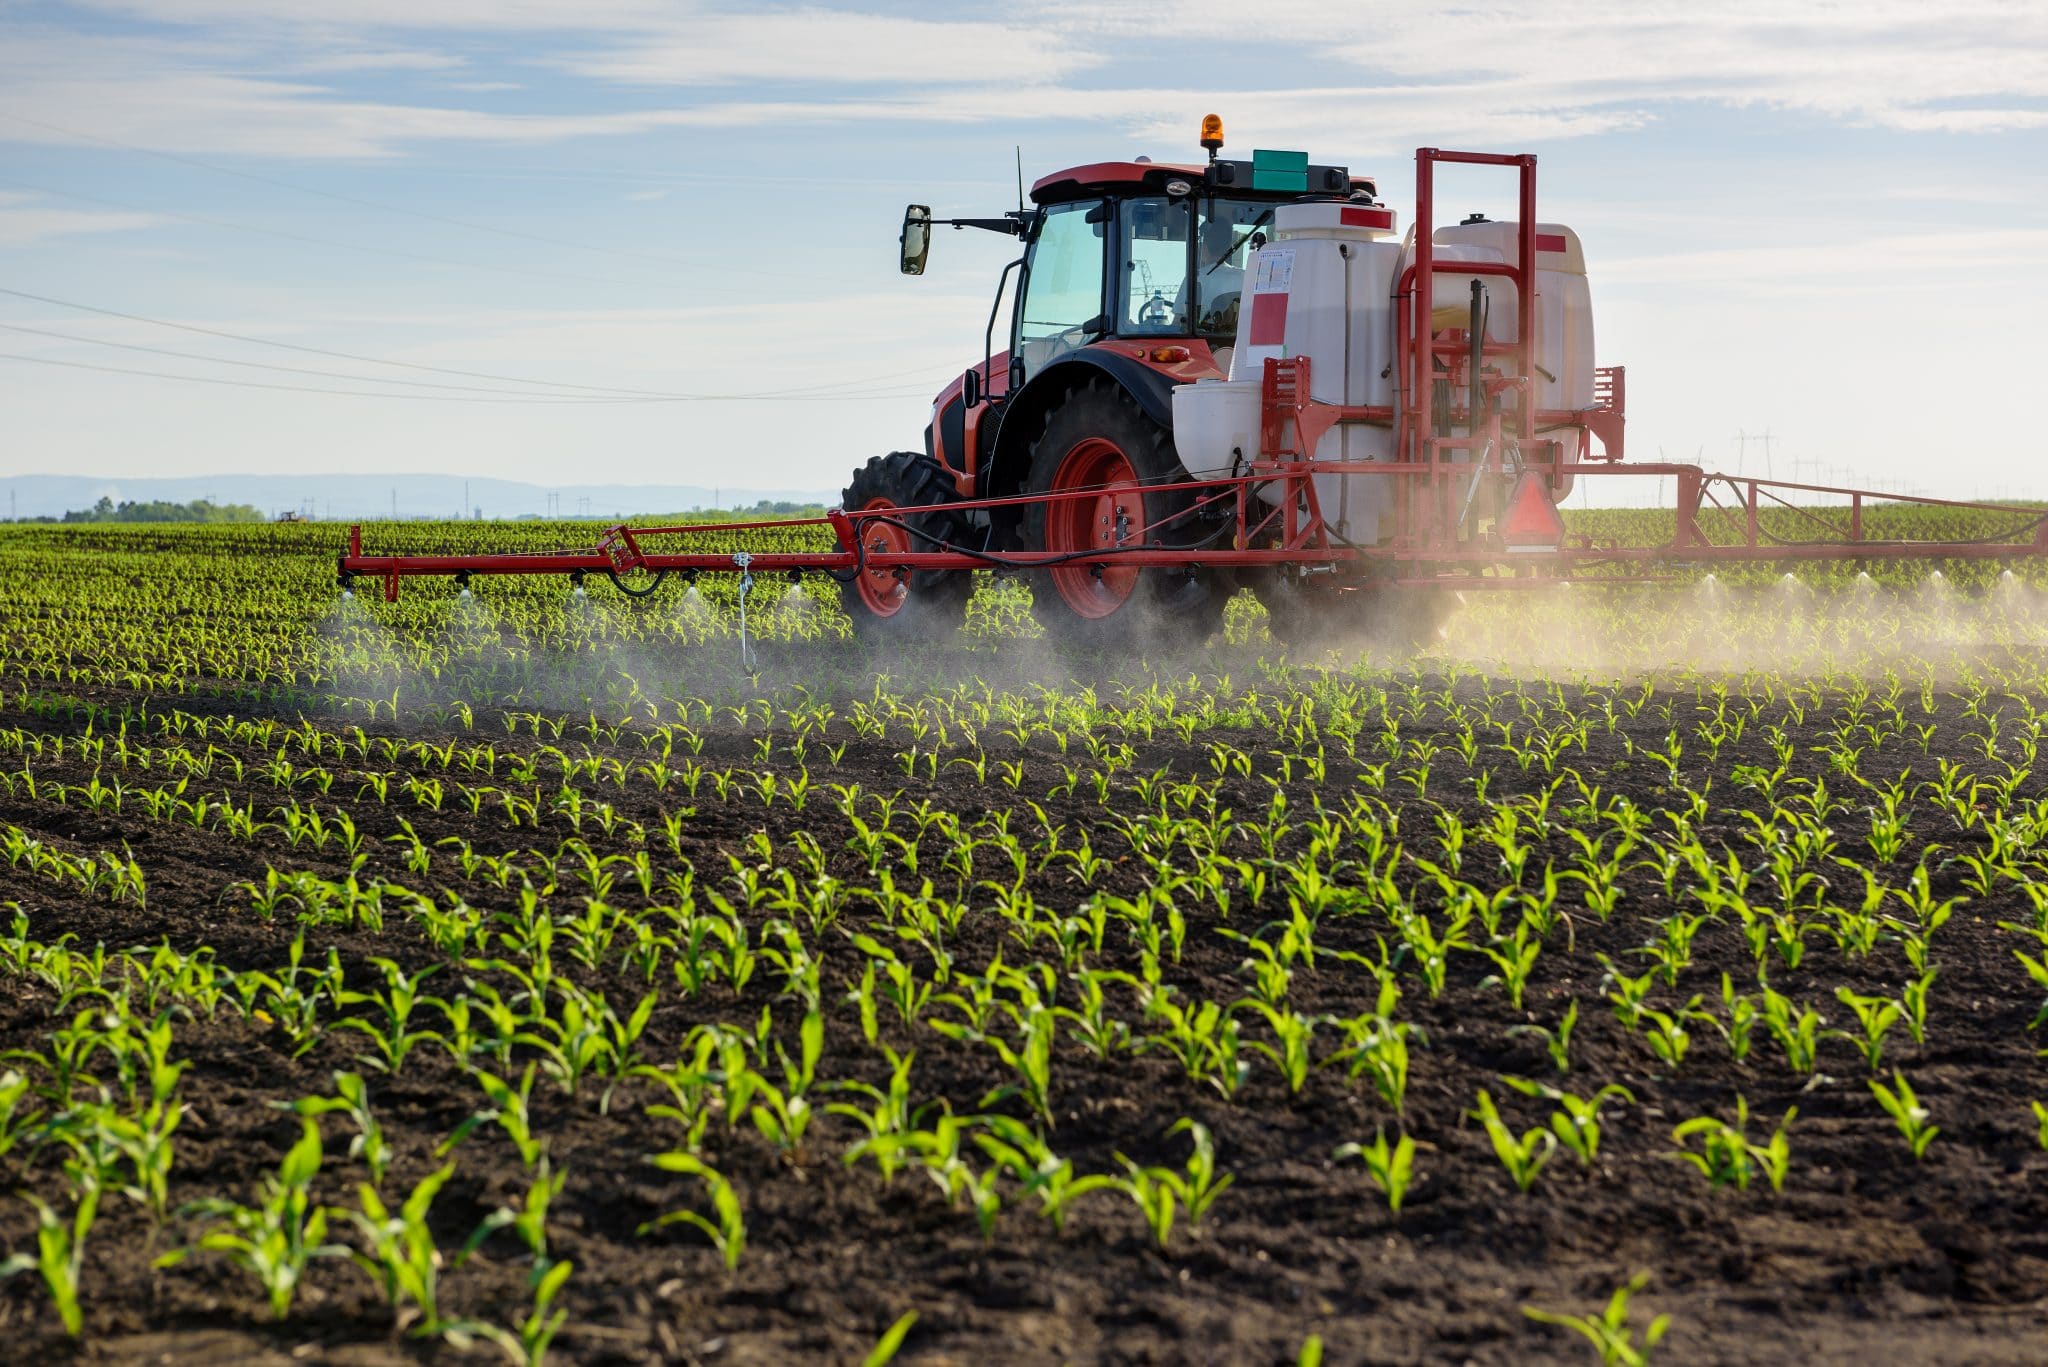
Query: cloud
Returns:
{"type": "Point", "coordinates": [1365, 81]}
{"type": "Point", "coordinates": [835, 47]}
{"type": "Point", "coordinates": [470, 16]}
{"type": "Point", "coordinates": [1959, 66]}
{"type": "Point", "coordinates": [26, 221]}
{"type": "Point", "coordinates": [395, 60]}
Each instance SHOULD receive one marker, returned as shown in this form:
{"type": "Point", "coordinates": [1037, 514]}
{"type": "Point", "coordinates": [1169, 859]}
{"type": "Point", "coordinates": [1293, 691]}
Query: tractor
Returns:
{"type": "Point", "coordinates": [1129, 284]}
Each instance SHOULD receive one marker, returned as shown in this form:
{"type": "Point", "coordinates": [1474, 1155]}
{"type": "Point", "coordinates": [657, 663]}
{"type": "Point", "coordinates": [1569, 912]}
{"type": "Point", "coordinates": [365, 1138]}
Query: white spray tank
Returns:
{"type": "Point", "coordinates": [1322, 289]}
{"type": "Point", "coordinates": [1564, 341]}
{"type": "Point", "coordinates": [1563, 353]}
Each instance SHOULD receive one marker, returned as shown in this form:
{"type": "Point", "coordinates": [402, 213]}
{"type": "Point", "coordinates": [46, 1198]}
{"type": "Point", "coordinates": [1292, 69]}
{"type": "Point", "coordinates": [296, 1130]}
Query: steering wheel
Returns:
{"type": "Point", "coordinates": [1065, 340]}
{"type": "Point", "coordinates": [1156, 313]}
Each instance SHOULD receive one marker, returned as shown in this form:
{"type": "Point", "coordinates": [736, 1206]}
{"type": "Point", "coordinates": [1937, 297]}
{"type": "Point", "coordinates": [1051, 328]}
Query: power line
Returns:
{"type": "Point", "coordinates": [291, 388]}
{"type": "Point", "coordinates": [321, 351]}
{"type": "Point", "coordinates": [286, 369]}
{"type": "Point", "coordinates": [450, 398]}
{"type": "Point", "coordinates": [371, 379]}
{"type": "Point", "coordinates": [602, 391]}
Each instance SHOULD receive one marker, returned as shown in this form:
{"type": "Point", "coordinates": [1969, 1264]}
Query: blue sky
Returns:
{"type": "Point", "coordinates": [1827, 221]}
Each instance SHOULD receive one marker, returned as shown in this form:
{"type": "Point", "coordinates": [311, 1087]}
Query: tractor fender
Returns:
{"type": "Point", "coordinates": [1024, 415]}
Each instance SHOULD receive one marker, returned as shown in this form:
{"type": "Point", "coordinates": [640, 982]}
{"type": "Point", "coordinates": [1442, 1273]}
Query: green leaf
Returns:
{"type": "Point", "coordinates": [885, 1349]}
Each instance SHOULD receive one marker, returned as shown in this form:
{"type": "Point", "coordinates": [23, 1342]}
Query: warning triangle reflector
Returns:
{"type": "Point", "coordinates": [1531, 521]}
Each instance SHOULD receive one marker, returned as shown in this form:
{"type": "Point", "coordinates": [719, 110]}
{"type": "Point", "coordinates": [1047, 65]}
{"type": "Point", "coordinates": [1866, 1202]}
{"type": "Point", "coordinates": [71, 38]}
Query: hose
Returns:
{"type": "Point", "coordinates": [1009, 563]}
{"type": "Point", "coordinates": [620, 584]}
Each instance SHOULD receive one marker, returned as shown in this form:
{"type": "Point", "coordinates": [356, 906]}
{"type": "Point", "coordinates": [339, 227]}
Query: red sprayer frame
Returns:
{"type": "Point", "coordinates": [1515, 455]}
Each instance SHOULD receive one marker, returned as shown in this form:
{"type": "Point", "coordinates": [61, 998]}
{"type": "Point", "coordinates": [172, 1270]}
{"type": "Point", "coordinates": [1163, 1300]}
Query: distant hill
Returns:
{"type": "Point", "coordinates": [370, 496]}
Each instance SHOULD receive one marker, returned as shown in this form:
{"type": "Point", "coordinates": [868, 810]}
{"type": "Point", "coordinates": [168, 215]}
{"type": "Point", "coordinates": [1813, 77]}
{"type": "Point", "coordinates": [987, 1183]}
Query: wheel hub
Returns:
{"type": "Point", "coordinates": [1106, 505]}
{"type": "Point", "coordinates": [883, 588]}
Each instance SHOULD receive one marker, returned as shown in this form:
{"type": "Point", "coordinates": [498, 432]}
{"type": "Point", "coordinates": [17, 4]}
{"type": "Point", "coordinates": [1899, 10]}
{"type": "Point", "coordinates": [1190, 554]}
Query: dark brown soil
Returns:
{"type": "Point", "coordinates": [1865, 1256]}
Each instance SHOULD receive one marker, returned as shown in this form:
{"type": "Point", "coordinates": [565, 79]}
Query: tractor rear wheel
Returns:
{"type": "Point", "coordinates": [892, 605]}
{"type": "Point", "coordinates": [1127, 481]}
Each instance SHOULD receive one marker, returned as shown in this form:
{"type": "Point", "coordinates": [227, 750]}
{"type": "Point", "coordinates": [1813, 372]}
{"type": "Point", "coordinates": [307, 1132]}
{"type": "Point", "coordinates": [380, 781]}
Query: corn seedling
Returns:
{"type": "Point", "coordinates": [1609, 1331]}
{"type": "Point", "coordinates": [1391, 1167]}
{"type": "Point", "coordinates": [1907, 1113]}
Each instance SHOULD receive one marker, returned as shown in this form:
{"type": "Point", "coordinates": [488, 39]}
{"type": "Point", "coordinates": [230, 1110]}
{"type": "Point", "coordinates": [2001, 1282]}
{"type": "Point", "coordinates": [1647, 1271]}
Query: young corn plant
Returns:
{"type": "Point", "coordinates": [1293, 1034]}
{"type": "Point", "coordinates": [60, 1253]}
{"type": "Point", "coordinates": [1556, 1042]}
{"type": "Point", "coordinates": [399, 1254]}
{"type": "Point", "coordinates": [1666, 1034]}
{"type": "Point", "coordinates": [1727, 1157]}
{"type": "Point", "coordinates": [1158, 1191]}
{"type": "Point", "coordinates": [1523, 1156]}
{"type": "Point", "coordinates": [1576, 1122]}
{"type": "Point", "coordinates": [352, 1098]}
{"type": "Point", "coordinates": [1609, 1331]}
{"type": "Point", "coordinates": [1876, 1016]}
{"type": "Point", "coordinates": [1027, 1158]}
{"type": "Point", "coordinates": [276, 1240]}
{"type": "Point", "coordinates": [508, 1111]}
{"type": "Point", "coordinates": [1907, 1113]}
{"type": "Point", "coordinates": [529, 1220]}
{"type": "Point", "coordinates": [1797, 1029]}
{"type": "Point", "coordinates": [1391, 1166]}
{"type": "Point", "coordinates": [527, 1343]}
{"type": "Point", "coordinates": [726, 1227]}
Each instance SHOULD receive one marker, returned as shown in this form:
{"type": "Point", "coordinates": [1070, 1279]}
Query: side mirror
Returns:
{"type": "Point", "coordinates": [916, 238]}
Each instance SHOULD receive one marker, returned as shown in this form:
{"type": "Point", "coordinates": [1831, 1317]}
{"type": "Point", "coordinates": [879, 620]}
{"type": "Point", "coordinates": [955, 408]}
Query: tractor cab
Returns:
{"type": "Point", "coordinates": [1132, 274]}
{"type": "Point", "coordinates": [1141, 252]}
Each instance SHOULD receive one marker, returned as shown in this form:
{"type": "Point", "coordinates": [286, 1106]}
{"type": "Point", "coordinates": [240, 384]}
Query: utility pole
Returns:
{"type": "Point", "coordinates": [1742, 440]}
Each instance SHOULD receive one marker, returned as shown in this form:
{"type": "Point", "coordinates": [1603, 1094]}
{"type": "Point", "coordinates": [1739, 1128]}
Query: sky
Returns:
{"type": "Point", "coordinates": [635, 241]}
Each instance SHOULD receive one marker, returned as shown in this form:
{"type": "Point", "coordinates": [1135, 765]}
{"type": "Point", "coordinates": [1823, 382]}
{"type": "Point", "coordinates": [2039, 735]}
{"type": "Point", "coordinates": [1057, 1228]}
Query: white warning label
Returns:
{"type": "Point", "coordinates": [1275, 271]}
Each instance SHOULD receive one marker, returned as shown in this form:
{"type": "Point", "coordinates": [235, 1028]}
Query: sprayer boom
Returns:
{"type": "Point", "coordinates": [1719, 519]}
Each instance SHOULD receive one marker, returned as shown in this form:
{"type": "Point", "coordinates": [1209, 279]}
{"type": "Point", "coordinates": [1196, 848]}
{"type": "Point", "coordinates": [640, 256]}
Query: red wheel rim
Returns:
{"type": "Point", "coordinates": [882, 591]}
{"type": "Point", "coordinates": [1112, 514]}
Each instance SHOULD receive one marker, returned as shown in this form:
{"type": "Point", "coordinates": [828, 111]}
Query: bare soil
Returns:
{"type": "Point", "coordinates": [1865, 1256]}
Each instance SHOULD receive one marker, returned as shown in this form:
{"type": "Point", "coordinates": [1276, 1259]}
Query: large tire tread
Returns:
{"type": "Point", "coordinates": [936, 600]}
{"type": "Point", "coordinates": [1167, 607]}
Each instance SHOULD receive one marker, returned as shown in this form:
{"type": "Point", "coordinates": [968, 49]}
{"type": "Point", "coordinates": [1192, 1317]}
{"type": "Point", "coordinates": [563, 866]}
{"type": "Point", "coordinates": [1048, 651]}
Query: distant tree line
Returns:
{"type": "Point", "coordinates": [156, 510]}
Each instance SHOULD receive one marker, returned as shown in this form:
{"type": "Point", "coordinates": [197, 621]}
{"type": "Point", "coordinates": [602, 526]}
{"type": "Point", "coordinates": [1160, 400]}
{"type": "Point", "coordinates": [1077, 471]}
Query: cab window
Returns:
{"type": "Point", "coordinates": [1227, 234]}
{"type": "Point", "coordinates": [1062, 306]}
{"type": "Point", "coordinates": [1155, 294]}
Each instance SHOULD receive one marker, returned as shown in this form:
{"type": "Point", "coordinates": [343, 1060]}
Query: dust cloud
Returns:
{"type": "Point", "coordinates": [1788, 625]}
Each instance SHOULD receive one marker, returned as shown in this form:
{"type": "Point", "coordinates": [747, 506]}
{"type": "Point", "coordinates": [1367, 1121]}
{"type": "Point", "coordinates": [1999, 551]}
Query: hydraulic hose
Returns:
{"type": "Point", "coordinates": [621, 586]}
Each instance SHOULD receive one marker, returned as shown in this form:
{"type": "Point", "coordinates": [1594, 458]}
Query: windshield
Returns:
{"type": "Point", "coordinates": [1183, 263]}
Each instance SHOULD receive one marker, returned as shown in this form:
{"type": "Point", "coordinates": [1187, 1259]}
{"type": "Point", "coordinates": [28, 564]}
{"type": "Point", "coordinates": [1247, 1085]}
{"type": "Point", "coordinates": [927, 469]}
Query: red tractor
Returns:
{"type": "Point", "coordinates": [1129, 285]}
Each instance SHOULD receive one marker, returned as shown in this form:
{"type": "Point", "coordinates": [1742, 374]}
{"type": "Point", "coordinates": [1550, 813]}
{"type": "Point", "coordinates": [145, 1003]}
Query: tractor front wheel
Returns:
{"type": "Point", "coordinates": [1105, 477]}
{"type": "Point", "coordinates": [890, 604]}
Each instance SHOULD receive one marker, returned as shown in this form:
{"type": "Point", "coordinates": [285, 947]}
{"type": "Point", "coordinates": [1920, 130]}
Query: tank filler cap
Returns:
{"type": "Point", "coordinates": [1473, 218]}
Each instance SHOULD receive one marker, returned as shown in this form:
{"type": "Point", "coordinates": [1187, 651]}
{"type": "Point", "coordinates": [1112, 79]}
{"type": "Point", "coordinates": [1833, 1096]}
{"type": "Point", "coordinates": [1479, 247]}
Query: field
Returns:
{"type": "Point", "coordinates": [1654, 973]}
